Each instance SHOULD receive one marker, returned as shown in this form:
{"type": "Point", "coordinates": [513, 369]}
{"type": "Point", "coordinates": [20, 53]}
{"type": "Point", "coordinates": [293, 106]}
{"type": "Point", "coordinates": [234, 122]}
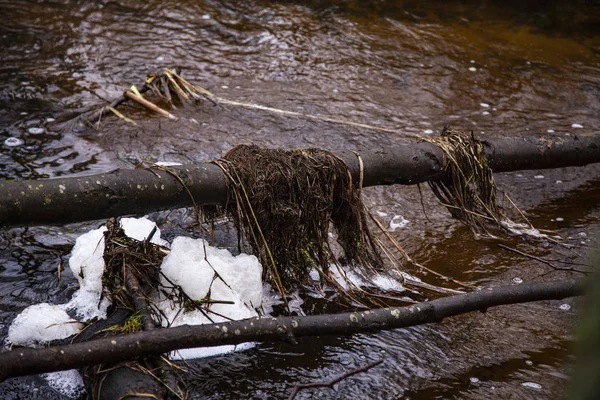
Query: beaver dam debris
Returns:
{"type": "Point", "coordinates": [301, 213]}
{"type": "Point", "coordinates": [164, 85]}
{"type": "Point", "coordinates": [469, 192]}
{"type": "Point", "coordinates": [132, 282]}
{"type": "Point", "coordinates": [285, 204]}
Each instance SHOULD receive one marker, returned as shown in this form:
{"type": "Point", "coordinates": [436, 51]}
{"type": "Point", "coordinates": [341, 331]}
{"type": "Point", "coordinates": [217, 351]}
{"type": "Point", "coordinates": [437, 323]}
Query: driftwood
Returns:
{"type": "Point", "coordinates": [22, 361]}
{"type": "Point", "coordinates": [139, 191]}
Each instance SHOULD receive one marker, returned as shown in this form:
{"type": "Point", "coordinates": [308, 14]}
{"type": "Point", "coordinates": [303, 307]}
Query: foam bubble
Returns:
{"type": "Point", "coordinates": [69, 383]}
{"type": "Point", "coordinates": [13, 142]}
{"type": "Point", "coordinates": [40, 324]}
{"type": "Point", "coordinates": [87, 264]}
{"type": "Point", "coordinates": [36, 131]}
{"type": "Point", "coordinates": [387, 283]}
{"type": "Point", "coordinates": [140, 228]}
{"type": "Point", "coordinates": [202, 270]}
{"type": "Point", "coordinates": [398, 222]}
{"type": "Point", "coordinates": [531, 385]}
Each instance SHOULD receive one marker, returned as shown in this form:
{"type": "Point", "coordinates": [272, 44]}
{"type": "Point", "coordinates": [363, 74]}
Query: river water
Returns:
{"type": "Point", "coordinates": [492, 67]}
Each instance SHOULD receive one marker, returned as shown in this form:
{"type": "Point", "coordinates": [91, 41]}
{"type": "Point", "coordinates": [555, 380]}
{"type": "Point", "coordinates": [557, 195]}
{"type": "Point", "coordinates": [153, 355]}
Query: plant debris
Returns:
{"type": "Point", "coordinates": [470, 191]}
{"type": "Point", "coordinates": [285, 204]}
{"type": "Point", "coordinates": [124, 255]}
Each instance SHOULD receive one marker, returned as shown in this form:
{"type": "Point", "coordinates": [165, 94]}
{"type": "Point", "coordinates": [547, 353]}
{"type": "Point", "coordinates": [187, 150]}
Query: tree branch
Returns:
{"type": "Point", "coordinates": [140, 191]}
{"type": "Point", "coordinates": [333, 381]}
{"type": "Point", "coordinates": [21, 361]}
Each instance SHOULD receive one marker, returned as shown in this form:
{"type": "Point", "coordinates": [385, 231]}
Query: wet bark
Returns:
{"type": "Point", "coordinates": [139, 191]}
{"type": "Point", "coordinates": [21, 361]}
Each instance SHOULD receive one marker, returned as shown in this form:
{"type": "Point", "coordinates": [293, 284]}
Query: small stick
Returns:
{"type": "Point", "coordinates": [96, 115]}
{"type": "Point", "coordinates": [332, 382]}
{"type": "Point", "coordinates": [120, 115]}
{"type": "Point", "coordinates": [548, 263]}
{"type": "Point", "coordinates": [409, 259]}
{"type": "Point", "coordinates": [519, 210]}
{"type": "Point", "coordinates": [149, 105]}
{"type": "Point", "coordinates": [139, 301]}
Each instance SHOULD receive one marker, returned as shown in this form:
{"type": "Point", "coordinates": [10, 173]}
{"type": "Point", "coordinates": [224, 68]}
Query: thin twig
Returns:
{"type": "Point", "coordinates": [333, 381]}
{"type": "Point", "coordinates": [149, 105]}
{"type": "Point", "coordinates": [409, 259]}
{"type": "Point", "coordinates": [543, 261]}
{"type": "Point", "coordinates": [519, 210]}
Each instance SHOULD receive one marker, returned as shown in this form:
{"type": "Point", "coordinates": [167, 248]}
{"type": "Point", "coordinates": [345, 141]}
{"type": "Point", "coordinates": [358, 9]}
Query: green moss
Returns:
{"type": "Point", "coordinates": [131, 325]}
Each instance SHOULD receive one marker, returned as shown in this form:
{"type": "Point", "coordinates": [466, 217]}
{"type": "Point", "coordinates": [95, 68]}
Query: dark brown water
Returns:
{"type": "Point", "coordinates": [407, 65]}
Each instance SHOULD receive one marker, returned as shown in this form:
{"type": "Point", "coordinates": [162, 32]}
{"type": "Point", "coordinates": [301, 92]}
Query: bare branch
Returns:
{"type": "Point", "coordinates": [140, 191]}
{"type": "Point", "coordinates": [333, 381]}
{"type": "Point", "coordinates": [21, 361]}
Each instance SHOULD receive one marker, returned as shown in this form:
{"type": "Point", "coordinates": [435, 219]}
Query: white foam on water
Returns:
{"type": "Point", "coordinates": [314, 275]}
{"type": "Point", "coordinates": [189, 266]}
{"type": "Point", "coordinates": [13, 141]}
{"type": "Point", "coordinates": [522, 229]}
{"type": "Point", "coordinates": [484, 105]}
{"type": "Point", "coordinates": [40, 324]}
{"type": "Point", "coordinates": [270, 298]}
{"type": "Point", "coordinates": [172, 163]}
{"type": "Point", "coordinates": [87, 265]}
{"type": "Point", "coordinates": [387, 283]}
{"type": "Point", "coordinates": [531, 385]}
{"type": "Point", "coordinates": [203, 352]}
{"type": "Point", "coordinates": [69, 383]}
{"type": "Point", "coordinates": [345, 277]}
{"type": "Point", "coordinates": [140, 228]}
{"type": "Point", "coordinates": [198, 268]}
{"type": "Point", "coordinates": [236, 279]}
{"type": "Point", "coordinates": [398, 222]}
{"type": "Point", "coordinates": [36, 131]}
{"type": "Point", "coordinates": [576, 126]}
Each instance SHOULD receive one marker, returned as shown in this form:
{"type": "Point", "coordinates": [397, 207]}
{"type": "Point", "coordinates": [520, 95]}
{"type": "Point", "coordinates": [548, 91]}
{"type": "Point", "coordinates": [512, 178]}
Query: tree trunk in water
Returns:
{"type": "Point", "coordinates": [139, 191]}
{"type": "Point", "coordinates": [22, 361]}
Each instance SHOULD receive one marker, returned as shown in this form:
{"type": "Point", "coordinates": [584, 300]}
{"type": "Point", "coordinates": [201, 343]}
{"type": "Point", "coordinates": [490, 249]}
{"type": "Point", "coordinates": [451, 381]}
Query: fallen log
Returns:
{"type": "Point", "coordinates": [21, 361]}
{"type": "Point", "coordinates": [139, 191]}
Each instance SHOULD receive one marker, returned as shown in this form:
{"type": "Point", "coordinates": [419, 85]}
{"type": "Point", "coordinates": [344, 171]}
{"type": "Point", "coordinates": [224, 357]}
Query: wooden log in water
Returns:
{"type": "Point", "coordinates": [139, 191]}
{"type": "Point", "coordinates": [26, 361]}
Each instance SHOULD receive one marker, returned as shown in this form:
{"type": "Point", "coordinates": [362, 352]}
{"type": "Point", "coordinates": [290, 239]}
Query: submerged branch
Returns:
{"type": "Point", "coordinates": [331, 382]}
{"type": "Point", "coordinates": [139, 191]}
{"type": "Point", "coordinates": [21, 361]}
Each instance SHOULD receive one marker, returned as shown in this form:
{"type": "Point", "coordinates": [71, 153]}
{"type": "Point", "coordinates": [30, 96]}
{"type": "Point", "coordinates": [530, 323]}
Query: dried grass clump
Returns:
{"type": "Point", "coordinates": [124, 255]}
{"type": "Point", "coordinates": [470, 192]}
{"type": "Point", "coordinates": [285, 204]}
